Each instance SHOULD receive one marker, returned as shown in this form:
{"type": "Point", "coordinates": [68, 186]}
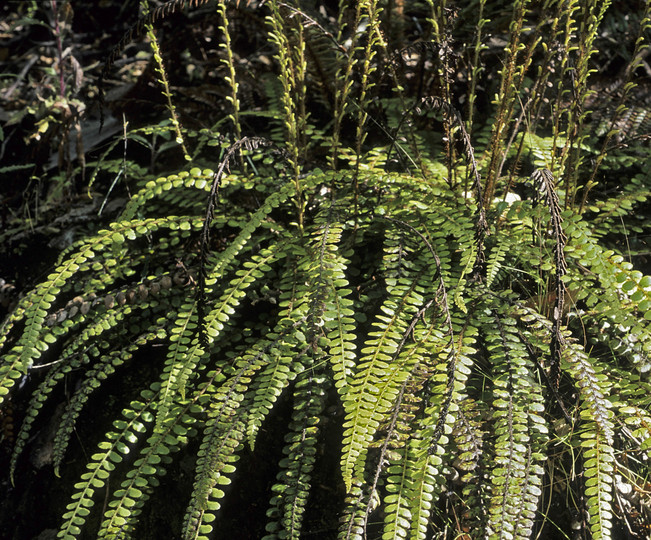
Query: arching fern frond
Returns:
{"type": "Point", "coordinates": [123, 510]}
{"type": "Point", "coordinates": [596, 440]}
{"type": "Point", "coordinates": [128, 431]}
{"type": "Point", "coordinates": [375, 385]}
{"type": "Point", "coordinates": [518, 448]}
{"type": "Point", "coordinates": [294, 479]}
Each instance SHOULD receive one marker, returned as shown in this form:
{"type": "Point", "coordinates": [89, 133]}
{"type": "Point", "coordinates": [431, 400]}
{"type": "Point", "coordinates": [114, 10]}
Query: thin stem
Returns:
{"type": "Point", "coordinates": [57, 37]}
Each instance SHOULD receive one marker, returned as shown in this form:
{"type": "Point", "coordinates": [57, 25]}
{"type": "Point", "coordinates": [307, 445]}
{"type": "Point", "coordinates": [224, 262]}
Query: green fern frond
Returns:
{"type": "Point", "coordinates": [222, 439]}
{"type": "Point", "coordinates": [494, 263]}
{"type": "Point", "coordinates": [170, 187]}
{"type": "Point", "coordinates": [352, 523]}
{"type": "Point", "coordinates": [597, 439]}
{"type": "Point", "coordinates": [104, 249]}
{"type": "Point", "coordinates": [101, 370]}
{"type": "Point", "coordinates": [116, 443]}
{"type": "Point", "coordinates": [128, 500]}
{"type": "Point", "coordinates": [469, 435]}
{"type": "Point", "coordinates": [376, 383]}
{"type": "Point", "coordinates": [89, 346]}
{"type": "Point", "coordinates": [294, 479]}
{"type": "Point", "coordinates": [398, 486]}
{"type": "Point", "coordinates": [285, 363]}
{"type": "Point", "coordinates": [183, 354]}
{"type": "Point", "coordinates": [427, 474]}
{"type": "Point", "coordinates": [516, 476]}
{"type": "Point", "coordinates": [625, 302]}
{"type": "Point", "coordinates": [225, 431]}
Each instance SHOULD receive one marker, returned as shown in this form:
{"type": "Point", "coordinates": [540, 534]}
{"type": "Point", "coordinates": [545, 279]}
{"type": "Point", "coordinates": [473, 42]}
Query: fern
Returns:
{"type": "Point", "coordinates": [288, 507]}
{"type": "Point", "coordinates": [102, 463]}
{"type": "Point", "coordinates": [596, 443]}
{"type": "Point", "coordinates": [445, 361]}
{"type": "Point", "coordinates": [516, 478]}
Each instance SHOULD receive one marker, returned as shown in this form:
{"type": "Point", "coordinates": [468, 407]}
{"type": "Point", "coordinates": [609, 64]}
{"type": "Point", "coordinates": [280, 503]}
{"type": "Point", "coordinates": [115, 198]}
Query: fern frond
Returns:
{"type": "Point", "coordinates": [396, 502]}
{"type": "Point", "coordinates": [224, 433]}
{"type": "Point", "coordinates": [375, 385]}
{"type": "Point", "coordinates": [545, 180]}
{"type": "Point", "coordinates": [470, 439]}
{"type": "Point", "coordinates": [128, 500]}
{"type": "Point", "coordinates": [329, 296]}
{"type": "Point", "coordinates": [116, 443]}
{"type": "Point", "coordinates": [428, 445]}
{"type": "Point", "coordinates": [183, 354]}
{"type": "Point", "coordinates": [293, 481]}
{"type": "Point", "coordinates": [494, 263]}
{"type": "Point", "coordinates": [168, 187]}
{"type": "Point", "coordinates": [352, 524]}
{"type": "Point", "coordinates": [597, 439]}
{"type": "Point", "coordinates": [101, 370]}
{"type": "Point", "coordinates": [516, 477]}
{"type": "Point", "coordinates": [222, 440]}
{"type": "Point", "coordinates": [624, 304]}
{"type": "Point", "coordinates": [89, 345]}
{"type": "Point", "coordinates": [427, 478]}
{"type": "Point", "coordinates": [285, 364]}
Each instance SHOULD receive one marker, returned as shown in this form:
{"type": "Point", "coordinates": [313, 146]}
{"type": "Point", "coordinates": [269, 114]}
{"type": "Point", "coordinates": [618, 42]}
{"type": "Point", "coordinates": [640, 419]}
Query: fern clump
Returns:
{"type": "Point", "coordinates": [445, 299]}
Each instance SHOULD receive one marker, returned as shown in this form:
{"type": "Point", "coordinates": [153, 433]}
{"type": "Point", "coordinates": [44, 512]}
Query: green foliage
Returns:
{"type": "Point", "coordinates": [474, 348]}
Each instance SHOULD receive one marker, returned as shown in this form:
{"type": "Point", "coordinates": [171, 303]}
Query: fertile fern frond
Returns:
{"type": "Point", "coordinates": [156, 14]}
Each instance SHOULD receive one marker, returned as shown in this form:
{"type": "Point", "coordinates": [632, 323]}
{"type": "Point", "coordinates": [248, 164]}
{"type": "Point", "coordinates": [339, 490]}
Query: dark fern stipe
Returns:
{"type": "Point", "coordinates": [446, 285]}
